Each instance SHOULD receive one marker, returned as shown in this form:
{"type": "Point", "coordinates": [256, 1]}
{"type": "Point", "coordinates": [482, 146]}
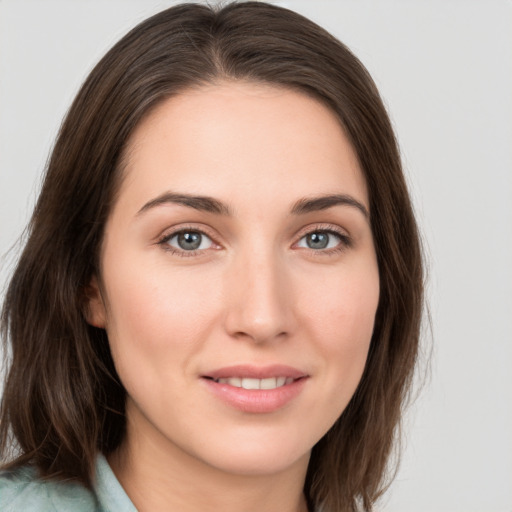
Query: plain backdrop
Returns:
{"type": "Point", "coordinates": [444, 68]}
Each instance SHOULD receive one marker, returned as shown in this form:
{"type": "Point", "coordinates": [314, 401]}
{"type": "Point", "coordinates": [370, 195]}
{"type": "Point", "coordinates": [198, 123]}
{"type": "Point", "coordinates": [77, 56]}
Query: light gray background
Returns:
{"type": "Point", "coordinates": [444, 68]}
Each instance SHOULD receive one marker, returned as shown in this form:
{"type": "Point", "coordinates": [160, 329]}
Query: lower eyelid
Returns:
{"type": "Point", "coordinates": [165, 239]}
{"type": "Point", "coordinates": [344, 239]}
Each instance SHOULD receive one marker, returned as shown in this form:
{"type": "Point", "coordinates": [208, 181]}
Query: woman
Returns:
{"type": "Point", "coordinates": [219, 301]}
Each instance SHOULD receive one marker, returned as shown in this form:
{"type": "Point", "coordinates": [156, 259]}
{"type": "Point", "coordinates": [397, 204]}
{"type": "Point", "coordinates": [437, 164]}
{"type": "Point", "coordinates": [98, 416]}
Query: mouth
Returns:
{"type": "Point", "coordinates": [252, 383]}
{"type": "Point", "coordinates": [256, 389]}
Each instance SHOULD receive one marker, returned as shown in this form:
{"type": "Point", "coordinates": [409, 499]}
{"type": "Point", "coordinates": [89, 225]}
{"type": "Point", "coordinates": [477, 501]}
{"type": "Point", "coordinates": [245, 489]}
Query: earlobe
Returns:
{"type": "Point", "coordinates": [94, 307]}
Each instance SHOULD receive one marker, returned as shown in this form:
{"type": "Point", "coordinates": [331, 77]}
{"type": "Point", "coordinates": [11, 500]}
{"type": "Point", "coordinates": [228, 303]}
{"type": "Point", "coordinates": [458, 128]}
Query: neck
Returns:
{"type": "Point", "coordinates": [161, 476]}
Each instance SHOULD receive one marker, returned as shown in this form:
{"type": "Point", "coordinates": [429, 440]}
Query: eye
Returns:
{"type": "Point", "coordinates": [322, 239]}
{"type": "Point", "coordinates": [188, 241]}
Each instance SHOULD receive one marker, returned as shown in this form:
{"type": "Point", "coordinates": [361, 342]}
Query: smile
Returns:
{"type": "Point", "coordinates": [251, 383]}
{"type": "Point", "coordinates": [256, 390]}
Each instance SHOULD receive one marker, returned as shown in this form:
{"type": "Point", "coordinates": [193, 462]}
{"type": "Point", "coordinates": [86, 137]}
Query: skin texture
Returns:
{"type": "Point", "coordinates": [253, 293]}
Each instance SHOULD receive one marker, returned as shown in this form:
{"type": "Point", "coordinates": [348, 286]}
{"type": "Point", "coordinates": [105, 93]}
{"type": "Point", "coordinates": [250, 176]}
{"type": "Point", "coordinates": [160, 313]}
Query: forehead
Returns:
{"type": "Point", "coordinates": [215, 139]}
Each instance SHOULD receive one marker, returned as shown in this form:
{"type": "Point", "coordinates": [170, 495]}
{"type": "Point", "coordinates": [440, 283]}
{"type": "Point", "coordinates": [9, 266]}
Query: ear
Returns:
{"type": "Point", "coordinates": [94, 307]}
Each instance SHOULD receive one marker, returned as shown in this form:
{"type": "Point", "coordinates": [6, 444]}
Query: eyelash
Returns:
{"type": "Point", "coordinates": [345, 242]}
{"type": "Point", "coordinates": [163, 241]}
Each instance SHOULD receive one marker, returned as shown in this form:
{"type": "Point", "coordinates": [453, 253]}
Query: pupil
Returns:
{"type": "Point", "coordinates": [318, 240]}
{"type": "Point", "coordinates": [189, 241]}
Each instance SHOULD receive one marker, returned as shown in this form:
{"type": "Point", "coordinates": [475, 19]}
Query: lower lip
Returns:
{"type": "Point", "coordinates": [256, 400]}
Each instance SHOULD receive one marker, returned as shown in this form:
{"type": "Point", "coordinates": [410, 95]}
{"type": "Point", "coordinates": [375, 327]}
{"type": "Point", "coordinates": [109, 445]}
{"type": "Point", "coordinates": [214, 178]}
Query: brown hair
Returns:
{"type": "Point", "coordinates": [63, 400]}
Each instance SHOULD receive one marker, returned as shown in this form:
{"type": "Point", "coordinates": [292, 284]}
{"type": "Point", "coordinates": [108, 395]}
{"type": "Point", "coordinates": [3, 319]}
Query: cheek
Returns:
{"type": "Point", "coordinates": [342, 320]}
{"type": "Point", "coordinates": [155, 318]}
{"type": "Point", "coordinates": [343, 310]}
{"type": "Point", "coordinates": [155, 302]}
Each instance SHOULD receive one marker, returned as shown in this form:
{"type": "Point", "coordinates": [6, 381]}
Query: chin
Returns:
{"type": "Point", "coordinates": [257, 455]}
{"type": "Point", "coordinates": [261, 464]}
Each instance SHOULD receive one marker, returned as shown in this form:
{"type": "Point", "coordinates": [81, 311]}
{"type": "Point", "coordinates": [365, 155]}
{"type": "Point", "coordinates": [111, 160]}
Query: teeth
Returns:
{"type": "Point", "coordinates": [234, 381]}
{"type": "Point", "coordinates": [268, 383]}
{"type": "Point", "coordinates": [249, 383]}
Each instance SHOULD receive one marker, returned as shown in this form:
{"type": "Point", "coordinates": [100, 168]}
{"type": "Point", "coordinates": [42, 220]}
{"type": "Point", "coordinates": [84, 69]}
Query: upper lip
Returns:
{"type": "Point", "coordinates": [256, 372]}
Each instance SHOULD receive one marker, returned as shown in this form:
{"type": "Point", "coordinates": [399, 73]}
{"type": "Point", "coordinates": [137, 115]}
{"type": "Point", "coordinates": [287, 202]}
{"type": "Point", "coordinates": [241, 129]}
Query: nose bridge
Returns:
{"type": "Point", "coordinates": [259, 296]}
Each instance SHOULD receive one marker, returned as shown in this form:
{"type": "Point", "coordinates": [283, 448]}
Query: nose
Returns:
{"type": "Point", "coordinates": [259, 299]}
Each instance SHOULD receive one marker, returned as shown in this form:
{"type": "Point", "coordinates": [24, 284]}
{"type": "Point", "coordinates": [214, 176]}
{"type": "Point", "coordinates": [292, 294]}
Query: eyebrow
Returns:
{"type": "Point", "coordinates": [314, 204]}
{"type": "Point", "coordinates": [202, 203]}
{"type": "Point", "coordinates": [212, 205]}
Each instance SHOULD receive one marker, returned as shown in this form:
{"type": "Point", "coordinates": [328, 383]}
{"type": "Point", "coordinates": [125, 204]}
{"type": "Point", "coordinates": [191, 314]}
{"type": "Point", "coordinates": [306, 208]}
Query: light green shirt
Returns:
{"type": "Point", "coordinates": [21, 490]}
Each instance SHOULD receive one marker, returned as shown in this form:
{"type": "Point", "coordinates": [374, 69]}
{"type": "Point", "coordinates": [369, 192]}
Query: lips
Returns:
{"type": "Point", "coordinates": [256, 372]}
{"type": "Point", "coordinates": [251, 383]}
{"type": "Point", "coordinates": [256, 389]}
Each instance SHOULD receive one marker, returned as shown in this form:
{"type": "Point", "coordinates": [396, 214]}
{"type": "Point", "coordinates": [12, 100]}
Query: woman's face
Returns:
{"type": "Point", "coordinates": [239, 277]}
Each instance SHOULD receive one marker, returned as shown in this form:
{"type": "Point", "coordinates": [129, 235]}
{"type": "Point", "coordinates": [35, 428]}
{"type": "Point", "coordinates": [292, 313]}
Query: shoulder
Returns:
{"type": "Point", "coordinates": [21, 489]}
